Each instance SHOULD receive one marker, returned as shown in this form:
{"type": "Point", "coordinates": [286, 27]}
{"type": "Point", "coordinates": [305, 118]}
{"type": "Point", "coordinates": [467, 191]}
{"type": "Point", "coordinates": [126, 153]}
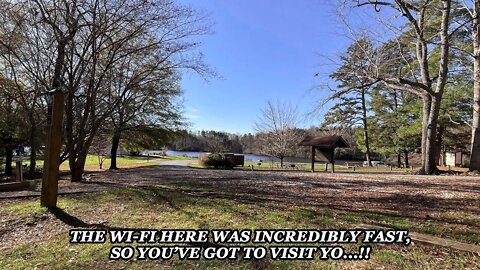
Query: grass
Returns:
{"type": "Point", "coordinates": [177, 158]}
{"type": "Point", "coordinates": [170, 208]}
{"type": "Point", "coordinates": [456, 225]}
{"type": "Point", "coordinates": [195, 166]}
{"type": "Point", "coordinates": [91, 163]}
{"type": "Point", "coordinates": [268, 166]}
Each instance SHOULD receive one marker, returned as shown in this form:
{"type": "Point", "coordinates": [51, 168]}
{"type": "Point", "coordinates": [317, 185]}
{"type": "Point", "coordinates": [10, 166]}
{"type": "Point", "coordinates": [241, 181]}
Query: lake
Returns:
{"type": "Point", "coordinates": [248, 157]}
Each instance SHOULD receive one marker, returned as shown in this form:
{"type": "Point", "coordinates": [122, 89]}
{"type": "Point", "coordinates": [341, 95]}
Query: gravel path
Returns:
{"type": "Point", "coordinates": [174, 164]}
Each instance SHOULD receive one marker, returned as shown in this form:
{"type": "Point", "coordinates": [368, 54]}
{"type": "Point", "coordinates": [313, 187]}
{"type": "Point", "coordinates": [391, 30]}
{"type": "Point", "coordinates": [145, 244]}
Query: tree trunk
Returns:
{"type": "Point", "coordinates": [77, 166]}
{"type": "Point", "coordinates": [77, 173]}
{"type": "Point", "coordinates": [444, 156]}
{"type": "Point", "coordinates": [114, 150]}
{"type": "Point", "coordinates": [33, 150]}
{"type": "Point", "coordinates": [427, 101]}
{"type": "Point", "coordinates": [399, 160]}
{"type": "Point", "coordinates": [438, 144]}
{"type": "Point", "coordinates": [436, 98]}
{"type": "Point", "coordinates": [365, 129]}
{"type": "Point", "coordinates": [33, 162]}
{"type": "Point", "coordinates": [475, 142]}
{"type": "Point", "coordinates": [281, 162]}
{"type": "Point", "coordinates": [429, 165]}
{"type": "Point", "coordinates": [406, 159]}
{"type": "Point", "coordinates": [8, 160]}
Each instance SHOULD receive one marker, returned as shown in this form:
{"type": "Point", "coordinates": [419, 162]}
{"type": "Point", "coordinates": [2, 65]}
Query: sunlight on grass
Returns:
{"type": "Point", "coordinates": [91, 163]}
{"type": "Point", "coordinates": [160, 208]}
{"type": "Point", "coordinates": [24, 208]}
{"type": "Point", "coordinates": [306, 167]}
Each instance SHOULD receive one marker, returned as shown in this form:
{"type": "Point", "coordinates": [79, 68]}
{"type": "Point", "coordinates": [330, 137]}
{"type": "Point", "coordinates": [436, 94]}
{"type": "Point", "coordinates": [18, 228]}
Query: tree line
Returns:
{"type": "Point", "coordinates": [261, 144]}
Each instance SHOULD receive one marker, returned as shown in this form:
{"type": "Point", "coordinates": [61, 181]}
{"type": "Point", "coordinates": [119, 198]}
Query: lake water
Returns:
{"type": "Point", "coordinates": [248, 157]}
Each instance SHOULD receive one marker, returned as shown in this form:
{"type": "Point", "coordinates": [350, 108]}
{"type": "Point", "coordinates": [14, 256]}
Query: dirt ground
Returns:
{"type": "Point", "coordinates": [452, 201]}
{"type": "Point", "coordinates": [411, 195]}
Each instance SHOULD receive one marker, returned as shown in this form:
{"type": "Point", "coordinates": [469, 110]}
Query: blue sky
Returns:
{"type": "Point", "coordinates": [263, 50]}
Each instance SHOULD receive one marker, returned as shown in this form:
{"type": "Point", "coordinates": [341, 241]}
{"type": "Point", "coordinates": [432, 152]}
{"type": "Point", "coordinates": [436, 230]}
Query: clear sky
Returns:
{"type": "Point", "coordinates": [263, 50]}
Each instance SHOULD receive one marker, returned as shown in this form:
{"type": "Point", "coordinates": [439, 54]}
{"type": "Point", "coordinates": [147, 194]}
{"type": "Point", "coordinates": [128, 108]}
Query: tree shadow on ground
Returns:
{"type": "Point", "coordinates": [416, 199]}
{"type": "Point", "coordinates": [391, 206]}
{"type": "Point", "coordinates": [75, 222]}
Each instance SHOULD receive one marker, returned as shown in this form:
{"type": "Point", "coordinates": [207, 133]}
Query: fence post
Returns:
{"type": "Point", "coordinates": [19, 169]}
{"type": "Point", "coordinates": [53, 146]}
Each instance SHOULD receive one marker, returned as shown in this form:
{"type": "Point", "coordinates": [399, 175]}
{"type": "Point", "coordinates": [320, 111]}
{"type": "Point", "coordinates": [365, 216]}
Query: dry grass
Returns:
{"type": "Point", "coordinates": [169, 198]}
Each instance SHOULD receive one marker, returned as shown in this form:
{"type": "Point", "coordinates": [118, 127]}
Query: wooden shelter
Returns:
{"type": "Point", "coordinates": [325, 145]}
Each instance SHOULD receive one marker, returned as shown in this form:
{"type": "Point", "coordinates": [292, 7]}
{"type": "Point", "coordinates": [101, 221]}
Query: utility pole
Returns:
{"type": "Point", "coordinates": [51, 166]}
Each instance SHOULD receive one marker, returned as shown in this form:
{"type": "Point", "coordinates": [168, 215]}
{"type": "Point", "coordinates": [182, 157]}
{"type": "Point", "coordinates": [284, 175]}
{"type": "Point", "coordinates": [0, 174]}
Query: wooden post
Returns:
{"type": "Point", "coordinates": [19, 170]}
{"type": "Point", "coordinates": [333, 159]}
{"type": "Point", "coordinates": [313, 158]}
{"type": "Point", "coordinates": [51, 164]}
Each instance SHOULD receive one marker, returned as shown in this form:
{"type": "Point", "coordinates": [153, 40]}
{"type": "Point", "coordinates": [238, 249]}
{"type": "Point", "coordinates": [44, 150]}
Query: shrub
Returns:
{"type": "Point", "coordinates": [466, 162]}
{"type": "Point", "coordinates": [216, 161]}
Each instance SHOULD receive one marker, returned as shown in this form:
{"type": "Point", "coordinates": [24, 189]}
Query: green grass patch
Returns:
{"type": "Point", "coordinates": [196, 166]}
{"type": "Point", "coordinates": [122, 162]}
{"type": "Point", "coordinates": [25, 208]}
{"type": "Point", "coordinates": [177, 158]}
{"type": "Point", "coordinates": [306, 167]}
{"type": "Point", "coordinates": [91, 163]}
{"type": "Point", "coordinates": [166, 208]}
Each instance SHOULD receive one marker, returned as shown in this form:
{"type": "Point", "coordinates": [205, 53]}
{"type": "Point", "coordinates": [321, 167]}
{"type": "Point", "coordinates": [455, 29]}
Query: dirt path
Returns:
{"type": "Point", "coordinates": [174, 164]}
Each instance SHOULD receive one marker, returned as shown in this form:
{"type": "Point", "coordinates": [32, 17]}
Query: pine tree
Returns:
{"type": "Point", "coordinates": [395, 125]}
{"type": "Point", "coordinates": [352, 92]}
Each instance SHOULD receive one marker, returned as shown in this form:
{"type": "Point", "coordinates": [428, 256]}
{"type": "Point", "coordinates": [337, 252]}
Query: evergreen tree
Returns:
{"type": "Point", "coordinates": [395, 125]}
{"type": "Point", "coordinates": [352, 92]}
{"type": "Point", "coordinates": [11, 123]}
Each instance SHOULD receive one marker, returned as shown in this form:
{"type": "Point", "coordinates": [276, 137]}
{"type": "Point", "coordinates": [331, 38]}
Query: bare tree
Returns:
{"type": "Point", "coordinates": [428, 86]}
{"type": "Point", "coordinates": [215, 144]}
{"type": "Point", "coordinates": [276, 130]}
{"type": "Point", "coordinates": [26, 59]}
{"type": "Point", "coordinates": [88, 45]}
{"type": "Point", "coordinates": [474, 14]}
{"type": "Point", "coordinates": [100, 148]}
{"type": "Point", "coordinates": [469, 23]}
{"type": "Point", "coordinates": [157, 30]}
{"type": "Point", "coordinates": [147, 105]}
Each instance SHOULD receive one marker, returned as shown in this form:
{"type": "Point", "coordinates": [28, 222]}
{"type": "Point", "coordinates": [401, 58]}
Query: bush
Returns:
{"type": "Point", "coordinates": [466, 162]}
{"type": "Point", "coordinates": [216, 161]}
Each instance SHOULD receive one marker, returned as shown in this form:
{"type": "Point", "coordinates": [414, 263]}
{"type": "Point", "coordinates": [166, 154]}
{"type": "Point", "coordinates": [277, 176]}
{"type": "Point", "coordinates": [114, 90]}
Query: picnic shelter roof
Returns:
{"type": "Point", "coordinates": [324, 142]}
